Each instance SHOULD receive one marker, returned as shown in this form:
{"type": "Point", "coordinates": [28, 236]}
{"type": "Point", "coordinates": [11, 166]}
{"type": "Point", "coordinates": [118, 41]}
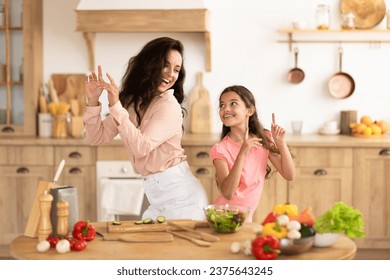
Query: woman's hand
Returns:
{"type": "Point", "coordinates": [278, 132]}
{"type": "Point", "coordinates": [93, 88]}
{"type": "Point", "coordinates": [95, 85]}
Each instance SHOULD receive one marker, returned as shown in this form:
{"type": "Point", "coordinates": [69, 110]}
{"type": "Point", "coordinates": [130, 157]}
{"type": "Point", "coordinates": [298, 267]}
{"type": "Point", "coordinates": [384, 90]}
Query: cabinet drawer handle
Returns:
{"type": "Point", "coordinates": [202, 155]}
{"type": "Point", "coordinates": [384, 152]}
{"type": "Point", "coordinates": [22, 170]}
{"type": "Point", "coordinates": [202, 171]}
{"type": "Point", "coordinates": [75, 170]}
{"type": "Point", "coordinates": [75, 155]}
{"type": "Point", "coordinates": [8, 129]}
{"type": "Point", "coordinates": [320, 172]}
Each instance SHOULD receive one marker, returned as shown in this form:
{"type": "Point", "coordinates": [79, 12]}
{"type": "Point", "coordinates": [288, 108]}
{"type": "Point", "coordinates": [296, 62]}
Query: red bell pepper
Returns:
{"type": "Point", "coordinates": [271, 217]}
{"type": "Point", "coordinates": [266, 247]}
{"type": "Point", "coordinates": [83, 230]}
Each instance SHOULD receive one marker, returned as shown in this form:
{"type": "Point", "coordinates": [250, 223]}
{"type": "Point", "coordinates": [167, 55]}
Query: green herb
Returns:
{"type": "Point", "coordinates": [341, 218]}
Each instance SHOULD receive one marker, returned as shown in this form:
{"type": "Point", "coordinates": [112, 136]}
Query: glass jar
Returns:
{"type": "Point", "coordinates": [348, 21]}
{"type": "Point", "coordinates": [323, 17]}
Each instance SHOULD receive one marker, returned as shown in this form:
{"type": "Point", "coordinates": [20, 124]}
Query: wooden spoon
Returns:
{"type": "Point", "coordinates": [198, 242]}
{"type": "Point", "coordinates": [204, 235]}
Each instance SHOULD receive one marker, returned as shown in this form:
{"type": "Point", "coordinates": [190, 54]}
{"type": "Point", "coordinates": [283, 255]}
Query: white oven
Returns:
{"type": "Point", "coordinates": [120, 192]}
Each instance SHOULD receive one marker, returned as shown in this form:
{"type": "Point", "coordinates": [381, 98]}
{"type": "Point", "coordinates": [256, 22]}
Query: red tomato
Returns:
{"type": "Point", "coordinates": [80, 245]}
{"type": "Point", "coordinates": [72, 242]}
{"type": "Point", "coordinates": [53, 241]}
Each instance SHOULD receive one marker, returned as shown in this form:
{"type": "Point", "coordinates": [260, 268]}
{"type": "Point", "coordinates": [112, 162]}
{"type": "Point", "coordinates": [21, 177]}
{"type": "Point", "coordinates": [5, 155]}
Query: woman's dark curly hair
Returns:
{"type": "Point", "coordinates": [144, 74]}
{"type": "Point", "coordinates": [254, 125]}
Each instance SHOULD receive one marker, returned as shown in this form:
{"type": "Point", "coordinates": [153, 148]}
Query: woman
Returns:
{"type": "Point", "coordinates": [146, 112]}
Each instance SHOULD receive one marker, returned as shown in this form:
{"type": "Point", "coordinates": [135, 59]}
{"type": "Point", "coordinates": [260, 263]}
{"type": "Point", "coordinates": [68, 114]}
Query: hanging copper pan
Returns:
{"type": "Point", "coordinates": [296, 75]}
{"type": "Point", "coordinates": [341, 85]}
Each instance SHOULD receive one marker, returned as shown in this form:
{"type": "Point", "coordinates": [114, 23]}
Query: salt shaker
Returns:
{"type": "Point", "coordinates": [45, 228]}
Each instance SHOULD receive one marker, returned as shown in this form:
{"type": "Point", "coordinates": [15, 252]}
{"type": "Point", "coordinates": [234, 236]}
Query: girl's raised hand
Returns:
{"type": "Point", "coordinates": [278, 132]}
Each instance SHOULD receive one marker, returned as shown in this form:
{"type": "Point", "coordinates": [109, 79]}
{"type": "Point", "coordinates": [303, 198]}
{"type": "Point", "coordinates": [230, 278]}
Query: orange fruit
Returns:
{"type": "Point", "coordinates": [367, 131]}
{"type": "Point", "coordinates": [366, 120]}
{"type": "Point", "coordinates": [376, 130]}
{"type": "Point", "coordinates": [359, 128]}
{"type": "Point", "coordinates": [383, 125]}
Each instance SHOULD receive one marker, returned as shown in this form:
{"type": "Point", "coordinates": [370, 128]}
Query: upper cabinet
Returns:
{"type": "Point", "coordinates": [20, 66]}
{"type": "Point", "coordinates": [138, 16]}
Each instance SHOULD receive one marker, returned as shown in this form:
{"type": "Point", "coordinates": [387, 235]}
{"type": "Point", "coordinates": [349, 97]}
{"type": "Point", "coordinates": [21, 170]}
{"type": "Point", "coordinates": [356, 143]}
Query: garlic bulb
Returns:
{"type": "Point", "coordinates": [43, 246]}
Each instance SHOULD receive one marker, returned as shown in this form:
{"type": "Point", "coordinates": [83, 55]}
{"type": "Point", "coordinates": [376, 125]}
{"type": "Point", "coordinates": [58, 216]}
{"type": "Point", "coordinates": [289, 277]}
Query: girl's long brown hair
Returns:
{"type": "Point", "coordinates": [254, 125]}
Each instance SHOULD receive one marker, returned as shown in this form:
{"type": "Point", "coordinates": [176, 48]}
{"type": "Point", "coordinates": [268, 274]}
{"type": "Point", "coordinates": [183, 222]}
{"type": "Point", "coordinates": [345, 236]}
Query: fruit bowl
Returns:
{"type": "Point", "coordinates": [226, 218]}
{"type": "Point", "coordinates": [296, 246]}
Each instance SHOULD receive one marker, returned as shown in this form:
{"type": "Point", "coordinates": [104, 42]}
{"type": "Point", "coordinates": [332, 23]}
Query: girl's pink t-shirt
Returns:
{"type": "Point", "coordinates": [253, 174]}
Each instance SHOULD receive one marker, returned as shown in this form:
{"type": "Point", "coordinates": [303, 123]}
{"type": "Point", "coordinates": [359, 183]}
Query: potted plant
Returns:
{"type": "Point", "coordinates": [340, 219]}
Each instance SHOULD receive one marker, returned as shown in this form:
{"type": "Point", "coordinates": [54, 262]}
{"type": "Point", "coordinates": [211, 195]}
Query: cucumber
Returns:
{"type": "Point", "coordinates": [147, 221]}
{"type": "Point", "coordinates": [160, 219]}
{"type": "Point", "coordinates": [116, 223]}
{"type": "Point", "coordinates": [139, 222]}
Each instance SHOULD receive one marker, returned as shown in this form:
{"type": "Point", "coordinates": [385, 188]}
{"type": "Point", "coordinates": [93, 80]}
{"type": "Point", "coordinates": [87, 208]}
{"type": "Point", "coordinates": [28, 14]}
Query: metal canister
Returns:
{"type": "Point", "coordinates": [323, 16]}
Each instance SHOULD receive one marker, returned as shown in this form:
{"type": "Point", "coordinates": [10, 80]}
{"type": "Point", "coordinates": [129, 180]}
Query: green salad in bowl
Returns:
{"type": "Point", "coordinates": [226, 218]}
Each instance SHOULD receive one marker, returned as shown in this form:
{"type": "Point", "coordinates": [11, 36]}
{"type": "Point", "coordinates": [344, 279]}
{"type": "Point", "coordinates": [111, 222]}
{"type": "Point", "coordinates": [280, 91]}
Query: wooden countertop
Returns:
{"type": "Point", "coordinates": [25, 248]}
{"type": "Point", "coordinates": [304, 140]}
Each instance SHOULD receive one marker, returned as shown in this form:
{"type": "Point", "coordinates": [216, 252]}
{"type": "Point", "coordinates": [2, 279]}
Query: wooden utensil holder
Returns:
{"type": "Point", "coordinates": [346, 119]}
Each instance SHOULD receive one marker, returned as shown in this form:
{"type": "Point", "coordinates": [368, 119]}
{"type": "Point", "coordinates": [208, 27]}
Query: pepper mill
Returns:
{"type": "Point", "coordinates": [62, 218]}
{"type": "Point", "coordinates": [45, 229]}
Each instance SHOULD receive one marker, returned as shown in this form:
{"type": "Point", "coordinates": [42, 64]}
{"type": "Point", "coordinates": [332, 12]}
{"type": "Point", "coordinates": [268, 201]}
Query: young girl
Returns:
{"type": "Point", "coordinates": [146, 112]}
{"type": "Point", "coordinates": [241, 157]}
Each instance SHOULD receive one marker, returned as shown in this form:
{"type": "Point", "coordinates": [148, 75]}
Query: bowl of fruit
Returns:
{"type": "Point", "coordinates": [226, 218]}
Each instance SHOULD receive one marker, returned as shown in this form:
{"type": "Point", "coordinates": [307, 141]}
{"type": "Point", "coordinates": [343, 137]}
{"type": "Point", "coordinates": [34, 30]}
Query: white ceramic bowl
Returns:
{"type": "Point", "coordinates": [301, 24]}
{"type": "Point", "coordinates": [325, 239]}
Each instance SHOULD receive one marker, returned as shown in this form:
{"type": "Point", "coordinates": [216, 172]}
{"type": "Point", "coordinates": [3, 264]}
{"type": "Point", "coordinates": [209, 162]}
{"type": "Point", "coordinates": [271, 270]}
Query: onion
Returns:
{"type": "Point", "coordinates": [43, 246]}
{"type": "Point", "coordinates": [63, 246]}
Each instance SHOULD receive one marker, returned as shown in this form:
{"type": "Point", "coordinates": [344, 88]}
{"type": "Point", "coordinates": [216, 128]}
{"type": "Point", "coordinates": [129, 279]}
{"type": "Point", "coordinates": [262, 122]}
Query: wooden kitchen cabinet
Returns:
{"type": "Point", "coordinates": [198, 158]}
{"type": "Point", "coordinates": [21, 170]}
{"type": "Point", "coordinates": [21, 50]}
{"type": "Point", "coordinates": [323, 177]}
{"type": "Point", "coordinates": [371, 195]}
{"type": "Point", "coordinates": [80, 172]}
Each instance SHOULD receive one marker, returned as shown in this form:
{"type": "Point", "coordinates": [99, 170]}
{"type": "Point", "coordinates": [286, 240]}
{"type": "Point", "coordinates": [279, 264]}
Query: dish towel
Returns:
{"type": "Point", "coordinates": [121, 197]}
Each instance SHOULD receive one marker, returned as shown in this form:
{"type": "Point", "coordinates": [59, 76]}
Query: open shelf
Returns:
{"type": "Point", "coordinates": [333, 36]}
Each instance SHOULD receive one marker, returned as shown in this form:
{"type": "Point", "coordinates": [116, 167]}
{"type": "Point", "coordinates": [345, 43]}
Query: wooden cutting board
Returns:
{"type": "Point", "coordinates": [140, 237]}
{"type": "Point", "coordinates": [201, 109]}
{"type": "Point", "coordinates": [130, 226]}
{"type": "Point", "coordinates": [70, 86]}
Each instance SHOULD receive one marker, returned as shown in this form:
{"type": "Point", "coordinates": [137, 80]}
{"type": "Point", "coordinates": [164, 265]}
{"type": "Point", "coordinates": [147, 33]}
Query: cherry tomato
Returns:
{"type": "Point", "coordinates": [80, 245]}
{"type": "Point", "coordinates": [72, 242]}
{"type": "Point", "coordinates": [53, 241]}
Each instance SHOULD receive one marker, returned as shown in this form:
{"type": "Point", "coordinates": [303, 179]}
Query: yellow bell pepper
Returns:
{"type": "Point", "coordinates": [274, 229]}
{"type": "Point", "coordinates": [291, 210]}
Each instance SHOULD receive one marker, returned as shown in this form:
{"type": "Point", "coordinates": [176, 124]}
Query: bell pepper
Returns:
{"type": "Point", "coordinates": [271, 217]}
{"type": "Point", "coordinates": [274, 229]}
{"type": "Point", "coordinates": [266, 247]}
{"type": "Point", "coordinates": [288, 209]}
{"type": "Point", "coordinates": [83, 230]}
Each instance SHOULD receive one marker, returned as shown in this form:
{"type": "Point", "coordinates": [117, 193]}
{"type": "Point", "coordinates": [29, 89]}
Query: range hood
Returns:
{"type": "Point", "coordinates": [94, 16]}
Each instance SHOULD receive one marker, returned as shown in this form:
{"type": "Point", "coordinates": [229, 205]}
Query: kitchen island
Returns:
{"type": "Point", "coordinates": [178, 249]}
